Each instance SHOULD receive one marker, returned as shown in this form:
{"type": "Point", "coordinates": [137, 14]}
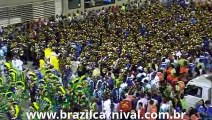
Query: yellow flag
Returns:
{"type": "Point", "coordinates": [55, 62]}
{"type": "Point", "coordinates": [47, 52]}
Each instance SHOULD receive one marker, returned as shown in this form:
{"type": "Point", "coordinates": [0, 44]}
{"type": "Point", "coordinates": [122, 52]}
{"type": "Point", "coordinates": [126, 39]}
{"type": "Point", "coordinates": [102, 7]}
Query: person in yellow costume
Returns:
{"type": "Point", "coordinates": [1, 82]}
{"type": "Point", "coordinates": [42, 63]}
{"type": "Point", "coordinates": [96, 72]}
{"type": "Point", "coordinates": [15, 111]}
{"type": "Point", "coordinates": [55, 62]}
{"type": "Point", "coordinates": [13, 75]}
{"type": "Point", "coordinates": [123, 8]}
{"type": "Point", "coordinates": [7, 65]}
{"type": "Point", "coordinates": [47, 52]}
{"type": "Point", "coordinates": [31, 75]}
{"type": "Point", "coordinates": [34, 107]}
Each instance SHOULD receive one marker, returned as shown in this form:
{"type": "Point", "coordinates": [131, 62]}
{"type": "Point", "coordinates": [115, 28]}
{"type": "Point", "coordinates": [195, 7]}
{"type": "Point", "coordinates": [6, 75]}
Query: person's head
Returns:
{"type": "Point", "coordinates": [181, 96]}
{"type": "Point", "coordinates": [164, 99]}
{"type": "Point", "coordinates": [200, 67]}
{"type": "Point", "coordinates": [145, 81]}
{"type": "Point", "coordinates": [107, 96]}
{"type": "Point", "coordinates": [123, 96]}
{"type": "Point", "coordinates": [196, 69]}
{"type": "Point", "coordinates": [15, 58]}
{"type": "Point", "coordinates": [185, 63]}
{"type": "Point", "coordinates": [164, 59]}
{"type": "Point", "coordinates": [207, 103]}
{"type": "Point", "coordinates": [140, 105]}
{"type": "Point", "coordinates": [190, 61]}
{"type": "Point", "coordinates": [184, 110]}
{"type": "Point", "coordinates": [172, 66]}
{"type": "Point", "coordinates": [201, 102]}
{"type": "Point", "coordinates": [142, 95]}
{"type": "Point", "coordinates": [151, 102]}
{"type": "Point", "coordinates": [137, 95]}
{"type": "Point", "coordinates": [203, 72]}
{"type": "Point", "coordinates": [192, 111]}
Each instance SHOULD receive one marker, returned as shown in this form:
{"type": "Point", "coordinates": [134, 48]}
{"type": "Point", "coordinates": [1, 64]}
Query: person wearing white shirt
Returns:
{"type": "Point", "coordinates": [1, 53]}
{"type": "Point", "coordinates": [2, 61]}
{"type": "Point", "coordinates": [155, 81]}
{"type": "Point", "coordinates": [1, 30]}
{"type": "Point", "coordinates": [141, 75]}
{"type": "Point", "coordinates": [187, 2]}
{"type": "Point", "coordinates": [74, 66]}
{"type": "Point", "coordinates": [17, 64]}
{"type": "Point", "coordinates": [147, 85]}
{"type": "Point", "coordinates": [179, 54]}
{"type": "Point", "coordinates": [107, 107]}
{"type": "Point", "coordinates": [165, 107]}
{"type": "Point", "coordinates": [20, 65]}
{"type": "Point", "coordinates": [167, 61]}
{"type": "Point", "coordinates": [142, 100]}
{"type": "Point", "coordinates": [175, 61]}
{"type": "Point", "coordinates": [123, 86]}
{"type": "Point", "coordinates": [14, 62]}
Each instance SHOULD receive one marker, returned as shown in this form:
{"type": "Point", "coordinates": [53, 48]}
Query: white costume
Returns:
{"type": "Point", "coordinates": [17, 64]}
{"type": "Point", "coordinates": [107, 109]}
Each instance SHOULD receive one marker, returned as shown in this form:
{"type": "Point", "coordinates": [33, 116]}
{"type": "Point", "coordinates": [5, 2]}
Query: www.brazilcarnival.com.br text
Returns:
{"type": "Point", "coordinates": [101, 115]}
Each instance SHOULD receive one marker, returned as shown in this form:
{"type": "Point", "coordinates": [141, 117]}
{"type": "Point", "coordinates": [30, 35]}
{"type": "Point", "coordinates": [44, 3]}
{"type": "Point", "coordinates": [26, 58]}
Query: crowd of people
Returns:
{"type": "Point", "coordinates": [138, 54]}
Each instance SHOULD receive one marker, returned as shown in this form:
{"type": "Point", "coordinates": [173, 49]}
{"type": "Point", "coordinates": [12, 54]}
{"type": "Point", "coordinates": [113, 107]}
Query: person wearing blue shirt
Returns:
{"type": "Point", "coordinates": [98, 96]}
{"type": "Point", "coordinates": [129, 81]}
{"type": "Point", "coordinates": [168, 5]}
{"type": "Point", "coordinates": [207, 60]}
{"type": "Point", "coordinates": [201, 108]}
{"type": "Point", "coordinates": [191, 67]}
{"type": "Point", "coordinates": [91, 85]}
{"type": "Point", "coordinates": [193, 21]}
{"type": "Point", "coordinates": [202, 59]}
{"type": "Point", "coordinates": [183, 4]}
{"type": "Point", "coordinates": [163, 65]}
{"type": "Point", "coordinates": [209, 110]}
{"type": "Point", "coordinates": [116, 97]}
{"type": "Point", "coordinates": [4, 49]}
{"type": "Point", "coordinates": [111, 82]}
{"type": "Point", "coordinates": [206, 42]}
{"type": "Point", "coordinates": [128, 66]}
{"type": "Point", "coordinates": [143, 31]}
